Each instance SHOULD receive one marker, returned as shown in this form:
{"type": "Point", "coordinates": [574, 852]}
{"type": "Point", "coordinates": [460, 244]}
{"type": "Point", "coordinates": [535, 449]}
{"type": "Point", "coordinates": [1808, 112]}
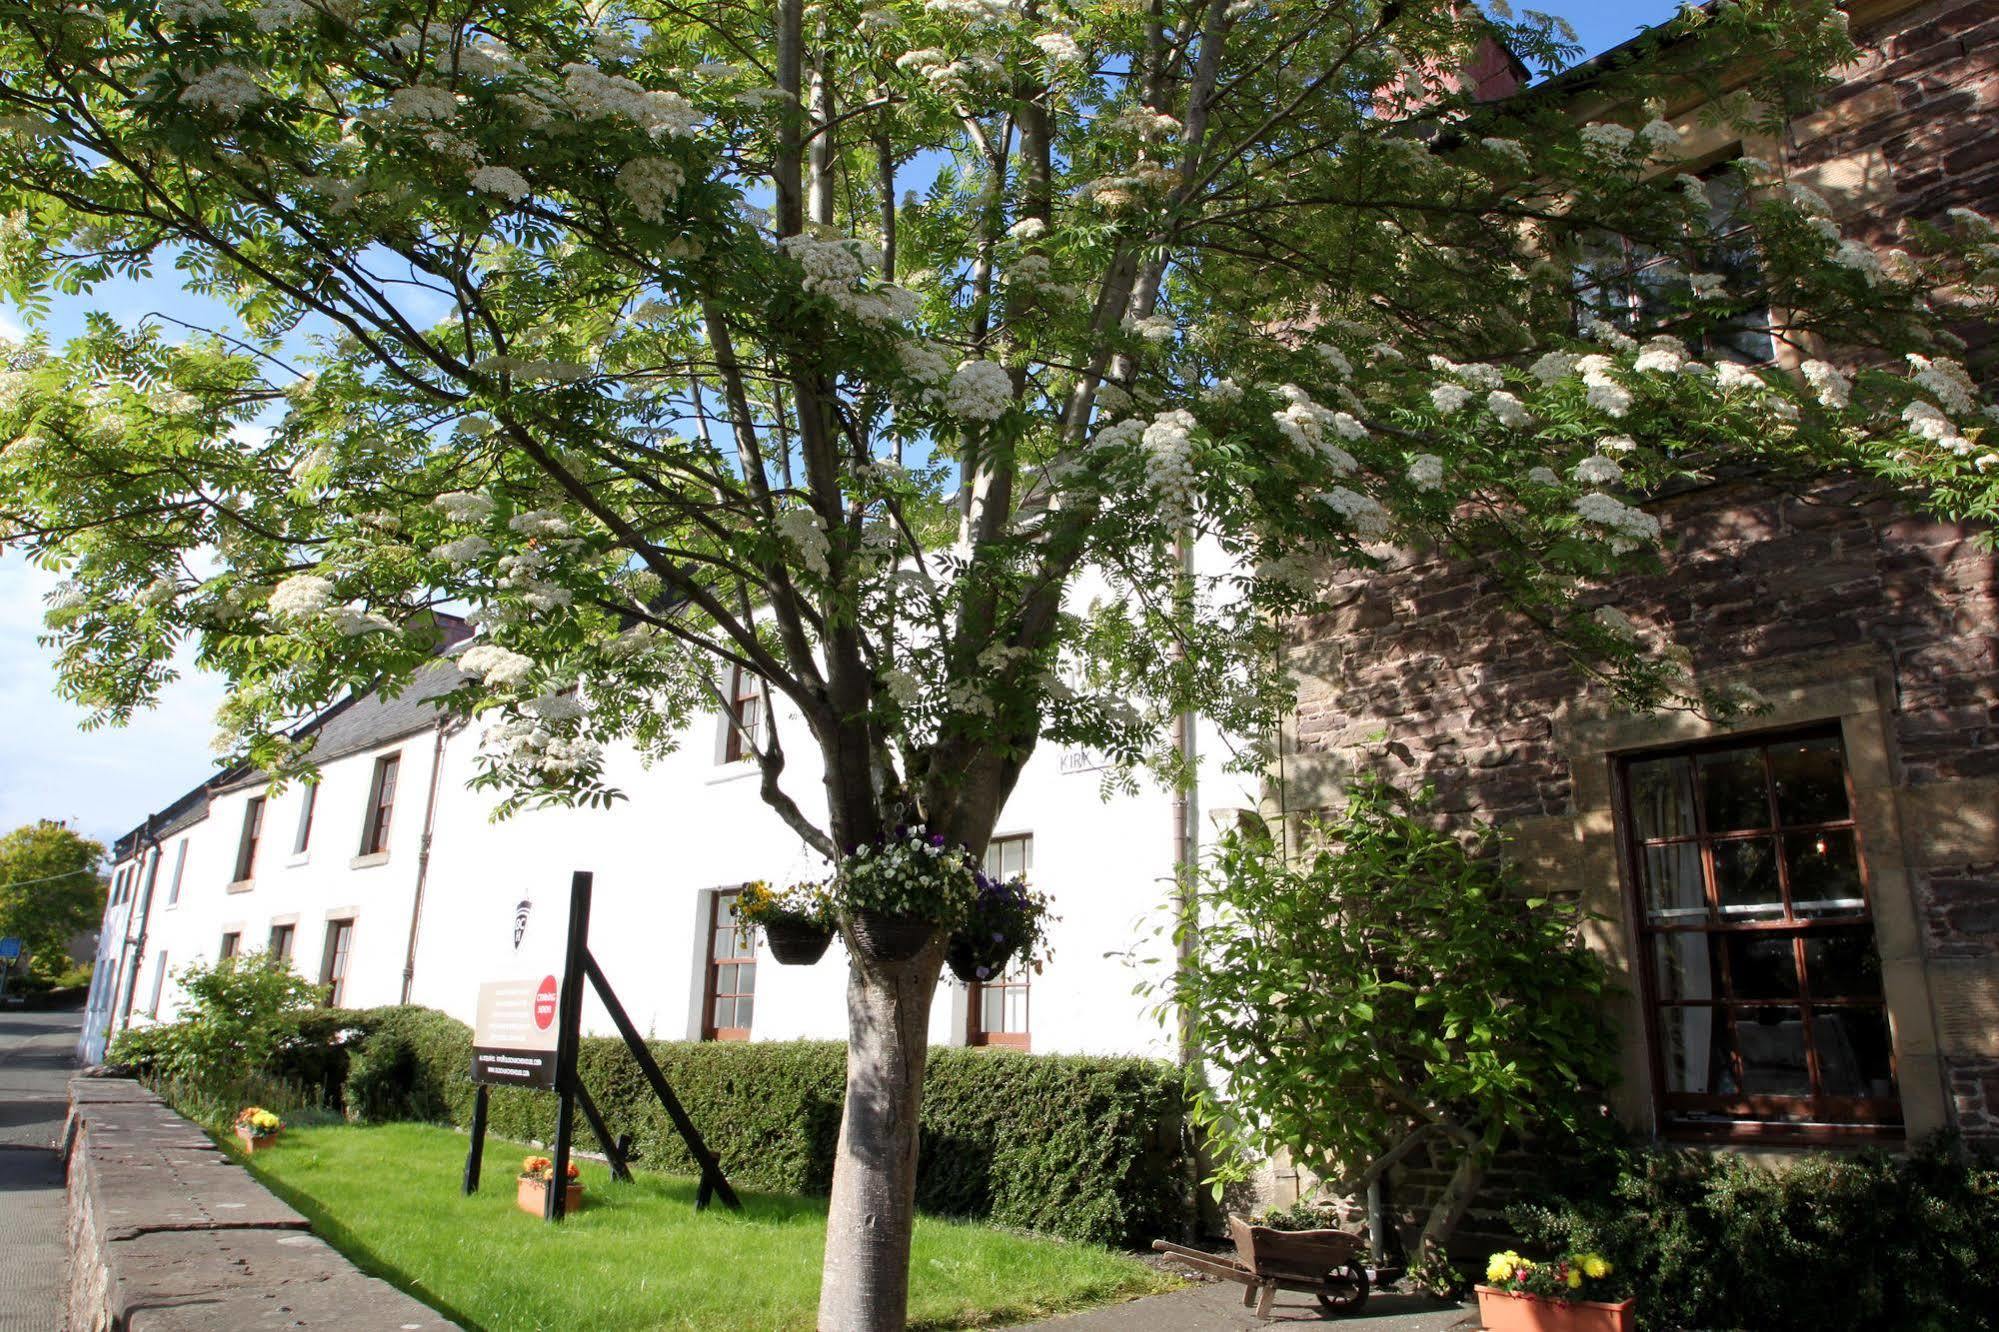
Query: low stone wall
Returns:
{"type": "Point", "coordinates": [167, 1232]}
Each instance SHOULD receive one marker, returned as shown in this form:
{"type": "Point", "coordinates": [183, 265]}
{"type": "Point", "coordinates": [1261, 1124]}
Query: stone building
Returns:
{"type": "Point", "coordinates": [1801, 906]}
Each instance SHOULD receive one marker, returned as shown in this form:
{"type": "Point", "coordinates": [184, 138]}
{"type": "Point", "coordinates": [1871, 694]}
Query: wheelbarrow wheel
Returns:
{"type": "Point", "coordinates": [1344, 1292]}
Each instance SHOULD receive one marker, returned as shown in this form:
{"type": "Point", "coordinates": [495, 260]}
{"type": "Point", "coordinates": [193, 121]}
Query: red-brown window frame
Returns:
{"type": "Point", "coordinates": [335, 955]}
{"type": "Point", "coordinates": [1015, 977]}
{"type": "Point", "coordinates": [722, 930]}
{"type": "Point", "coordinates": [747, 717]}
{"type": "Point", "coordinates": [253, 833]}
{"type": "Point", "coordinates": [1749, 1116]}
{"type": "Point", "coordinates": [381, 804]}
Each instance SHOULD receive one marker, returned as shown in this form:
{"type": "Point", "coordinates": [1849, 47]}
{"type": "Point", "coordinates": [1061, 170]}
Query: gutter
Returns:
{"type": "Point", "coordinates": [123, 1021]}
{"type": "Point", "coordinates": [423, 855]}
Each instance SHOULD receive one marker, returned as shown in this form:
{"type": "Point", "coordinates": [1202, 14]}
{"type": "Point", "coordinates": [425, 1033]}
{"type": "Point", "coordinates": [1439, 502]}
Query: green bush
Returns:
{"type": "Point", "coordinates": [1083, 1147]}
{"type": "Point", "coordinates": [239, 1014]}
{"type": "Point", "coordinates": [1832, 1243]}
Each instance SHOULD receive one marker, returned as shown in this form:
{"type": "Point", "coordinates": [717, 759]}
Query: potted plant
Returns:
{"type": "Point", "coordinates": [257, 1128]}
{"type": "Point", "coordinates": [1520, 1295]}
{"type": "Point", "coordinates": [537, 1173]}
{"type": "Point", "coordinates": [1005, 919]}
{"type": "Point", "coordinates": [797, 921]}
{"type": "Point", "coordinates": [901, 891]}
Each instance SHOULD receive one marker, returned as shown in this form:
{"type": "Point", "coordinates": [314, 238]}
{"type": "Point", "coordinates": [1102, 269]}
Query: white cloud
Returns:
{"type": "Point", "coordinates": [102, 782]}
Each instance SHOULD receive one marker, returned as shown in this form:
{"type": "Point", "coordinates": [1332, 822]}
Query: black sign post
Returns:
{"type": "Point", "coordinates": [490, 1068]}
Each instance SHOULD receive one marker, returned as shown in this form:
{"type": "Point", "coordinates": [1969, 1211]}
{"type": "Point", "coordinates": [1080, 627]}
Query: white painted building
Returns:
{"type": "Point", "coordinates": [374, 881]}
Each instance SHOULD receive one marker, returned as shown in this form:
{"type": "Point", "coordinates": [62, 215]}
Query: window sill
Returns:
{"type": "Point", "coordinates": [369, 861]}
{"type": "Point", "coordinates": [303, 858]}
{"type": "Point", "coordinates": [242, 885]}
{"type": "Point", "coordinates": [1763, 1133]}
{"type": "Point", "coordinates": [736, 771]}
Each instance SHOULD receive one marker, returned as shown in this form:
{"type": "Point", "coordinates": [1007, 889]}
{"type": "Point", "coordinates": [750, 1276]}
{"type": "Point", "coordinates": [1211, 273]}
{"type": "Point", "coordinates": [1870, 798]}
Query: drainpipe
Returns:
{"type": "Point", "coordinates": [423, 855]}
{"type": "Point", "coordinates": [151, 860]}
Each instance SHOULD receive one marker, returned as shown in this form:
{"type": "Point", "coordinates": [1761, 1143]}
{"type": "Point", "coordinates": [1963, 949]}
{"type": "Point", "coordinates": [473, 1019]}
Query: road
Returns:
{"type": "Point", "coordinates": [37, 1055]}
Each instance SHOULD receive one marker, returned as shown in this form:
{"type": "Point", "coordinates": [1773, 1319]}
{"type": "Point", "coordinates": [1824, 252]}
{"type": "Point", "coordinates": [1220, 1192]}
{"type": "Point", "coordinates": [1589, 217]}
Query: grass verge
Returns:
{"type": "Point", "coordinates": [639, 1255]}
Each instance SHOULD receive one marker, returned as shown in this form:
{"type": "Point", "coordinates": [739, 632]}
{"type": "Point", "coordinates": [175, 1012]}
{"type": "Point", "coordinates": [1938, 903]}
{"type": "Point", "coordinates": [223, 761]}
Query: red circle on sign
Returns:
{"type": "Point", "coordinates": [544, 1003]}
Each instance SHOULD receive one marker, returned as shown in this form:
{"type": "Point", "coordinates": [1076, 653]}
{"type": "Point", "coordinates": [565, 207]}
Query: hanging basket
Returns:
{"type": "Point", "coordinates": [886, 938]}
{"type": "Point", "coordinates": [973, 962]}
{"type": "Point", "coordinates": [797, 943]}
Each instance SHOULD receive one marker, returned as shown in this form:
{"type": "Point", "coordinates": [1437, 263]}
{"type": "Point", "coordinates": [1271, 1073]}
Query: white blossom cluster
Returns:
{"type": "Point", "coordinates": [465, 550]}
{"type": "Point", "coordinates": [465, 506]}
{"type": "Point", "coordinates": [1059, 47]}
{"type": "Point", "coordinates": [979, 391]}
{"type": "Point", "coordinates": [596, 95]}
{"type": "Point", "coordinates": [835, 267]}
{"type": "Point", "coordinates": [807, 535]}
{"type": "Point", "coordinates": [1360, 512]}
{"type": "Point", "coordinates": [225, 90]}
{"type": "Point", "coordinates": [1168, 444]}
{"type": "Point", "coordinates": [1603, 393]}
{"type": "Point", "coordinates": [495, 666]}
{"type": "Point", "coordinates": [503, 181]}
{"type": "Point", "coordinates": [529, 747]}
{"type": "Point", "coordinates": [421, 102]}
{"type": "Point", "coordinates": [1629, 527]}
{"type": "Point", "coordinates": [1832, 387]}
{"type": "Point", "coordinates": [1509, 409]}
{"type": "Point", "coordinates": [650, 183]}
{"type": "Point", "coordinates": [301, 596]}
{"type": "Point", "coordinates": [546, 523]}
{"type": "Point", "coordinates": [1603, 139]}
{"type": "Point", "coordinates": [1307, 424]}
{"type": "Point", "coordinates": [1426, 471]}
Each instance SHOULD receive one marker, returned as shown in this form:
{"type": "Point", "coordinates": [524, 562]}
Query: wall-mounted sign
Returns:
{"type": "Point", "coordinates": [1082, 760]}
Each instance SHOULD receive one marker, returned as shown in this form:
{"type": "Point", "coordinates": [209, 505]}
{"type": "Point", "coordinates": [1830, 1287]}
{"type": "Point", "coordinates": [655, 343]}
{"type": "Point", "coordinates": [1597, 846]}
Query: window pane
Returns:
{"type": "Point", "coordinates": [1685, 966]}
{"type": "Point", "coordinates": [725, 1013]}
{"type": "Point", "coordinates": [746, 978]}
{"type": "Point", "coordinates": [1732, 790]}
{"type": "Point", "coordinates": [1695, 1052]}
{"type": "Point", "coordinates": [992, 1008]}
{"type": "Point", "coordinates": [1825, 872]}
{"type": "Point", "coordinates": [744, 1013]}
{"type": "Point", "coordinates": [1662, 798]}
{"type": "Point", "coordinates": [1762, 966]}
{"type": "Point", "coordinates": [1745, 879]}
{"type": "Point", "coordinates": [1811, 781]}
{"type": "Point", "coordinates": [1674, 891]}
{"type": "Point", "coordinates": [1843, 964]}
{"type": "Point", "coordinates": [1855, 1055]}
{"type": "Point", "coordinates": [1773, 1051]}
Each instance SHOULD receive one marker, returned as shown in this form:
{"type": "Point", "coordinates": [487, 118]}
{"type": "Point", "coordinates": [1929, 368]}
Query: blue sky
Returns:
{"type": "Point", "coordinates": [106, 781]}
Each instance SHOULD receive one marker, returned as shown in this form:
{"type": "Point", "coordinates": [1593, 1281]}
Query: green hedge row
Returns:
{"type": "Point", "coordinates": [1834, 1242]}
{"type": "Point", "coordinates": [1079, 1146]}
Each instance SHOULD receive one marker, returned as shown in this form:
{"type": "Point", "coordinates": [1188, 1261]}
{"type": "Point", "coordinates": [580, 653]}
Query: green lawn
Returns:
{"type": "Point", "coordinates": [639, 1255]}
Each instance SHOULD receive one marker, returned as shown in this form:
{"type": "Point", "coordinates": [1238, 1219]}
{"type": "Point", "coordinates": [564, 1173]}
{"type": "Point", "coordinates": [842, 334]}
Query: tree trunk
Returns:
{"type": "Point", "coordinates": [864, 1286]}
{"type": "Point", "coordinates": [1433, 1248]}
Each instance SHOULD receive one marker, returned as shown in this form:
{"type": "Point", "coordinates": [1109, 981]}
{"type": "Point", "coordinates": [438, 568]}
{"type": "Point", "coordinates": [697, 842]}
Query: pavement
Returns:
{"type": "Point", "coordinates": [1218, 1304]}
{"type": "Point", "coordinates": [36, 1059]}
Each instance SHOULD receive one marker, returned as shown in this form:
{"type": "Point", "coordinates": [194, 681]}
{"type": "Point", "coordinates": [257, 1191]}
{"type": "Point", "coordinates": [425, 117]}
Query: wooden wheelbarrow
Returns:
{"type": "Point", "coordinates": [1325, 1263]}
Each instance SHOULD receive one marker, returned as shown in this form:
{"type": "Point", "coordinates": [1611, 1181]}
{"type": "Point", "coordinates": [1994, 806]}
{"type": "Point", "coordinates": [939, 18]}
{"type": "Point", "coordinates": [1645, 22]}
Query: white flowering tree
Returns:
{"type": "Point", "coordinates": [831, 343]}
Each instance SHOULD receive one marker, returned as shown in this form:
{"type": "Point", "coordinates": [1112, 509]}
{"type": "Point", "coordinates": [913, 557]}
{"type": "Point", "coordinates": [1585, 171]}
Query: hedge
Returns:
{"type": "Point", "coordinates": [1831, 1243]}
{"type": "Point", "coordinates": [1084, 1147]}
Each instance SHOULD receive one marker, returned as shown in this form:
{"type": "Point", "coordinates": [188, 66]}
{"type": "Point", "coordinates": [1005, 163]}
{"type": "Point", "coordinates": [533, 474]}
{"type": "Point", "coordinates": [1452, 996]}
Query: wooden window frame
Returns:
{"type": "Point", "coordinates": [231, 945]}
{"type": "Point", "coordinates": [720, 930]}
{"type": "Point", "coordinates": [252, 837]}
{"type": "Point", "coordinates": [748, 720]}
{"type": "Point", "coordinates": [288, 934]}
{"type": "Point", "coordinates": [336, 951]}
{"type": "Point", "coordinates": [381, 804]}
{"type": "Point", "coordinates": [1815, 1117]}
{"type": "Point", "coordinates": [302, 839]}
{"type": "Point", "coordinates": [1014, 977]}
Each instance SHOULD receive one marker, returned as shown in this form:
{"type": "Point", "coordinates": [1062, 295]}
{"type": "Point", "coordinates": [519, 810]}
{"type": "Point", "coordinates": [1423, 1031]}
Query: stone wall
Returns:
{"type": "Point", "coordinates": [166, 1232]}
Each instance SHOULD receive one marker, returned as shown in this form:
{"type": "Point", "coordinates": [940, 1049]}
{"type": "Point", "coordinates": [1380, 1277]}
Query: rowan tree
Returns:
{"type": "Point", "coordinates": [890, 353]}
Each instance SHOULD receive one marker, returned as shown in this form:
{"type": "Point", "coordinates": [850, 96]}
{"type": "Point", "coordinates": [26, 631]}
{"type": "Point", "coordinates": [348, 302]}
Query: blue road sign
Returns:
{"type": "Point", "coordinates": [10, 948]}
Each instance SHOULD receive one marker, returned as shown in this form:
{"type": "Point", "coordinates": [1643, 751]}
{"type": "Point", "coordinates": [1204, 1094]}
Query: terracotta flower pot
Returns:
{"type": "Point", "coordinates": [257, 1142]}
{"type": "Point", "coordinates": [887, 938]}
{"type": "Point", "coordinates": [532, 1196]}
{"type": "Point", "coordinates": [971, 962]}
{"type": "Point", "coordinates": [797, 943]}
{"type": "Point", "coordinates": [1506, 1311]}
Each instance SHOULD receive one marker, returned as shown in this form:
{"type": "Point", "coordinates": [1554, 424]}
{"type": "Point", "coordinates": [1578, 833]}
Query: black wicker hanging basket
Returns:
{"type": "Point", "coordinates": [886, 938]}
{"type": "Point", "coordinates": [972, 962]}
{"type": "Point", "coordinates": [797, 943]}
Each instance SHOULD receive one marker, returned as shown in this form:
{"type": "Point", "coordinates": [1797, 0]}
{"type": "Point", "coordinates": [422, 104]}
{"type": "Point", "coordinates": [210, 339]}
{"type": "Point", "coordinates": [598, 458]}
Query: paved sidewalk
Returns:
{"type": "Point", "coordinates": [36, 1059]}
{"type": "Point", "coordinates": [1210, 1305]}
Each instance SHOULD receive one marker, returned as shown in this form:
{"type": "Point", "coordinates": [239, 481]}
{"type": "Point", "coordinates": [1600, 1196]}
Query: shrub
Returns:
{"type": "Point", "coordinates": [240, 1012]}
{"type": "Point", "coordinates": [1833, 1243]}
{"type": "Point", "coordinates": [1083, 1147]}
